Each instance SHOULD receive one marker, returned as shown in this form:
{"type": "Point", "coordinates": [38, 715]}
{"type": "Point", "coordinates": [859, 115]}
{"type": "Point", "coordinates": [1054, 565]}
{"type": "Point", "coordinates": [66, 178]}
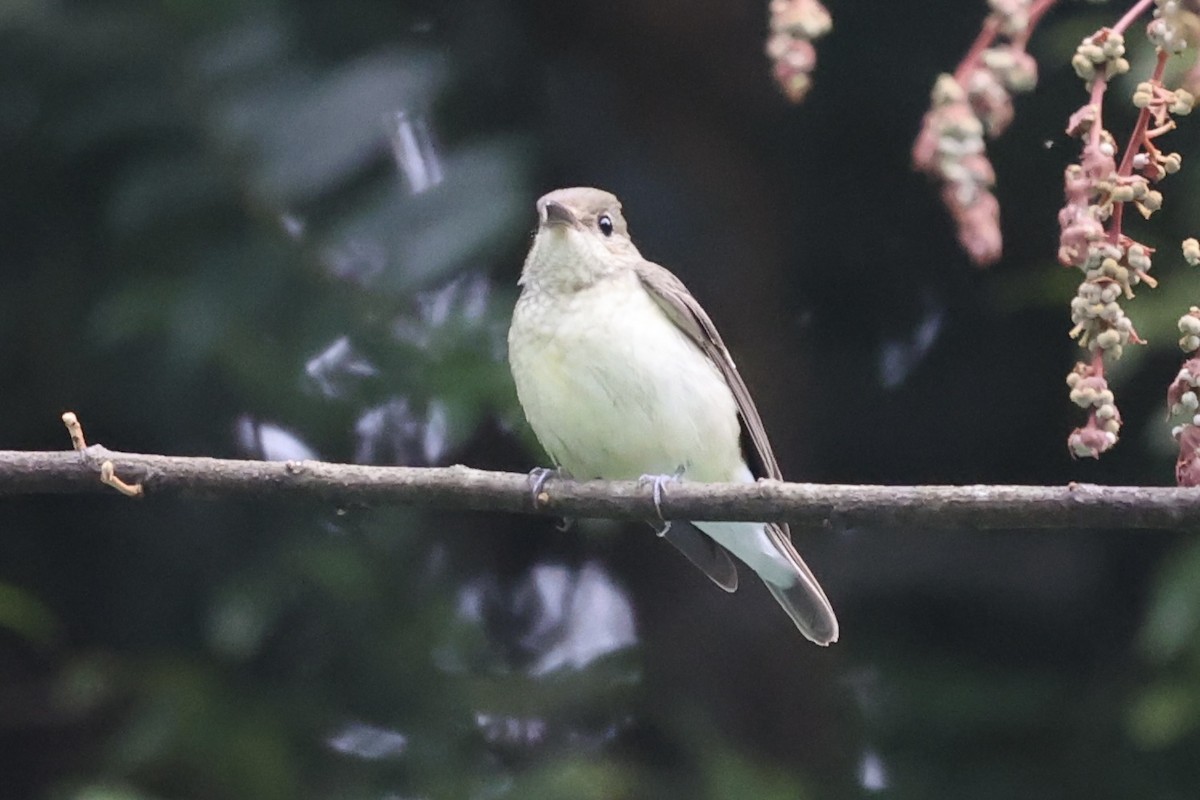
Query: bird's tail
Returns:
{"type": "Point", "coordinates": [768, 550]}
{"type": "Point", "coordinates": [811, 611]}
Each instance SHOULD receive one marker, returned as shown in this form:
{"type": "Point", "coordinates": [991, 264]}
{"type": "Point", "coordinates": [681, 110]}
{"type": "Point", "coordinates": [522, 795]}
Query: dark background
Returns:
{"type": "Point", "coordinates": [208, 246]}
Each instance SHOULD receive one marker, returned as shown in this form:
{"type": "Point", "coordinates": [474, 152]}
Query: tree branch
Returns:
{"type": "Point", "coordinates": [462, 488]}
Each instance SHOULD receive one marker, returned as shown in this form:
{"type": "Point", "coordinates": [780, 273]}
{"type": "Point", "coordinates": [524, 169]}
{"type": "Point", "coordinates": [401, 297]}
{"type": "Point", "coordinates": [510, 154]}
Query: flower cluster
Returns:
{"type": "Point", "coordinates": [1089, 390]}
{"type": "Point", "coordinates": [1103, 54]}
{"type": "Point", "coordinates": [794, 26]}
{"type": "Point", "coordinates": [1182, 393]}
{"type": "Point", "coordinates": [1191, 252]}
{"type": "Point", "coordinates": [1182, 399]}
{"type": "Point", "coordinates": [950, 147]}
{"type": "Point", "coordinates": [974, 102]}
{"type": "Point", "coordinates": [1091, 239]}
{"type": "Point", "coordinates": [1172, 20]}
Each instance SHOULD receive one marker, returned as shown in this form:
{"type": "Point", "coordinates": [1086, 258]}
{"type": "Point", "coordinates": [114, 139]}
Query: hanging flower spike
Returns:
{"type": "Point", "coordinates": [795, 24]}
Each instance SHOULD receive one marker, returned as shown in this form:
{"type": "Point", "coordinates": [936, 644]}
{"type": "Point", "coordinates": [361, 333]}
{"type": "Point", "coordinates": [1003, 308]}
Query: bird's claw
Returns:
{"type": "Point", "coordinates": [537, 480]}
{"type": "Point", "coordinates": [659, 483]}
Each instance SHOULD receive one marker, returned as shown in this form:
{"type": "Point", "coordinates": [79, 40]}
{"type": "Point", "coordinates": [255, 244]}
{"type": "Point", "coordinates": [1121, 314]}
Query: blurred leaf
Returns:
{"type": "Point", "coordinates": [243, 614]}
{"type": "Point", "coordinates": [87, 683]}
{"type": "Point", "coordinates": [572, 779]}
{"type": "Point", "coordinates": [220, 738]}
{"type": "Point", "coordinates": [732, 776]}
{"type": "Point", "coordinates": [1164, 713]}
{"type": "Point", "coordinates": [174, 190]}
{"type": "Point", "coordinates": [1173, 619]}
{"type": "Point", "coordinates": [400, 242]}
{"type": "Point", "coordinates": [343, 574]}
{"type": "Point", "coordinates": [307, 135]}
{"type": "Point", "coordinates": [109, 792]}
{"type": "Point", "coordinates": [1168, 708]}
{"type": "Point", "coordinates": [25, 615]}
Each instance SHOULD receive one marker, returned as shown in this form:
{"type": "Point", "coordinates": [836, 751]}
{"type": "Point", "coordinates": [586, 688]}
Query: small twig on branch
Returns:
{"type": "Point", "coordinates": [465, 489]}
{"type": "Point", "coordinates": [107, 471]}
{"type": "Point", "coordinates": [74, 430]}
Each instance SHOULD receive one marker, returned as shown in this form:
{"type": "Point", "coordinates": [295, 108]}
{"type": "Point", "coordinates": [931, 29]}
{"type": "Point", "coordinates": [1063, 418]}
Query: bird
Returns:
{"type": "Point", "coordinates": [622, 375]}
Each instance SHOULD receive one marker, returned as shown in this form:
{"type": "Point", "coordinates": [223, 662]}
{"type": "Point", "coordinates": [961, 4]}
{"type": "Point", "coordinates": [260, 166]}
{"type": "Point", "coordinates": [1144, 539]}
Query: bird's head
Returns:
{"type": "Point", "coordinates": [581, 237]}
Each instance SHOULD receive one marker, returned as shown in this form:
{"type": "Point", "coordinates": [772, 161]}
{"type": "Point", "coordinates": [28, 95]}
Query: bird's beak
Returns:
{"type": "Point", "coordinates": [554, 213]}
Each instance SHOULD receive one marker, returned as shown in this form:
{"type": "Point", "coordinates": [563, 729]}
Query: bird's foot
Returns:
{"type": "Point", "coordinates": [537, 482]}
{"type": "Point", "coordinates": [659, 483]}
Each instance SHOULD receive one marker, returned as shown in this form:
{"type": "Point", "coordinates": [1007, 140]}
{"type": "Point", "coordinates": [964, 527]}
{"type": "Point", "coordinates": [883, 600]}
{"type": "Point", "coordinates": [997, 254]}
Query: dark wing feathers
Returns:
{"type": "Point", "coordinates": [683, 309]}
{"type": "Point", "coordinates": [674, 299]}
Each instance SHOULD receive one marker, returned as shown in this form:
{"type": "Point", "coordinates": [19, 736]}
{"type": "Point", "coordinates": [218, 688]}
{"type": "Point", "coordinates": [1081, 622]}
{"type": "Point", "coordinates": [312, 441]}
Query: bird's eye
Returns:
{"type": "Point", "coordinates": [605, 224]}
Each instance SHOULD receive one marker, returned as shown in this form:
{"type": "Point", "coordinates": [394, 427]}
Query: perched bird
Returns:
{"type": "Point", "coordinates": [622, 375]}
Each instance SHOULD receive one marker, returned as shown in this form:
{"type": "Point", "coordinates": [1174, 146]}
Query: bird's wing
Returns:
{"type": "Point", "coordinates": [682, 309]}
{"type": "Point", "coordinates": [809, 608]}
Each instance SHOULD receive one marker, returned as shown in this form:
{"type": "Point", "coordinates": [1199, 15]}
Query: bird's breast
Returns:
{"type": "Point", "coordinates": [614, 389]}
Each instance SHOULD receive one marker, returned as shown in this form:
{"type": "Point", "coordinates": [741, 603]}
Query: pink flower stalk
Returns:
{"type": "Point", "coordinates": [1182, 393]}
{"type": "Point", "coordinates": [794, 26]}
{"type": "Point", "coordinates": [1096, 191]}
{"type": "Point", "coordinates": [973, 103]}
{"type": "Point", "coordinates": [1090, 390]}
{"type": "Point", "coordinates": [1182, 399]}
